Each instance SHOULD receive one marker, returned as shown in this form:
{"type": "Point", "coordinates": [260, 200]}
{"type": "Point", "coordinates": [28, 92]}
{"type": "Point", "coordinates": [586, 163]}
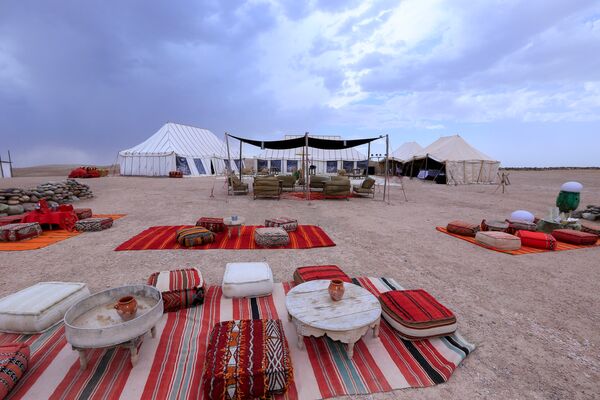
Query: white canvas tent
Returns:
{"type": "Point", "coordinates": [463, 163]}
{"type": "Point", "coordinates": [325, 161]}
{"type": "Point", "coordinates": [406, 152]}
{"type": "Point", "coordinates": [194, 151]}
{"type": "Point", "coordinates": [6, 167]}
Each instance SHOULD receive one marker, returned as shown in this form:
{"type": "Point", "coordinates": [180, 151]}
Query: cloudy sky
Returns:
{"type": "Point", "coordinates": [520, 80]}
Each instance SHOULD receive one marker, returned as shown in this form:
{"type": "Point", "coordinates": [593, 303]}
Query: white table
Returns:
{"type": "Point", "coordinates": [314, 313]}
{"type": "Point", "coordinates": [230, 224]}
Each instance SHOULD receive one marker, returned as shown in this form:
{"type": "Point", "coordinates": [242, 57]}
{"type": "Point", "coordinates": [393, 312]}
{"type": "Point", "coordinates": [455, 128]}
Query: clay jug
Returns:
{"type": "Point", "coordinates": [336, 289]}
{"type": "Point", "coordinates": [126, 307]}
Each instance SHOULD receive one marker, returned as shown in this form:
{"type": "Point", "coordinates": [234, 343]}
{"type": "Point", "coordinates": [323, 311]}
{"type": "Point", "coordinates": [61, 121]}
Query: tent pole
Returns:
{"type": "Point", "coordinates": [228, 169]}
{"type": "Point", "coordinates": [412, 163]}
{"type": "Point", "coordinates": [10, 164]}
{"type": "Point", "coordinates": [241, 160]}
{"type": "Point", "coordinates": [368, 159]}
{"type": "Point", "coordinates": [385, 182]}
{"type": "Point", "coordinates": [1, 167]}
{"type": "Point", "coordinates": [306, 184]}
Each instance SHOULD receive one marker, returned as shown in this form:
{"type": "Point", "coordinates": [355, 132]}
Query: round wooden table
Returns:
{"type": "Point", "coordinates": [230, 224]}
{"type": "Point", "coordinates": [314, 313]}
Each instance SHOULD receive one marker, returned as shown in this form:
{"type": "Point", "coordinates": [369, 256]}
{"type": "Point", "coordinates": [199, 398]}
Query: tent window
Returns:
{"type": "Point", "coordinates": [292, 165]}
{"type": "Point", "coordinates": [237, 164]}
{"type": "Point", "coordinates": [276, 165]}
{"type": "Point", "coordinates": [331, 167]}
{"type": "Point", "coordinates": [361, 164]}
{"type": "Point", "coordinates": [199, 166]}
{"type": "Point", "coordinates": [348, 166]}
{"type": "Point", "coordinates": [182, 165]}
{"type": "Point", "coordinates": [262, 164]}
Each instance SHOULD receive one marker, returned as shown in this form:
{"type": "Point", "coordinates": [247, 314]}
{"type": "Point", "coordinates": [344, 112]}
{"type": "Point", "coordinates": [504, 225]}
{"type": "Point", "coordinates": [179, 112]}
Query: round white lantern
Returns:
{"type": "Point", "coordinates": [573, 187]}
{"type": "Point", "coordinates": [522, 215]}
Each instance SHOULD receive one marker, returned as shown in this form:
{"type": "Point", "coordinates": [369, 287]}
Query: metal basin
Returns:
{"type": "Point", "coordinates": [94, 323]}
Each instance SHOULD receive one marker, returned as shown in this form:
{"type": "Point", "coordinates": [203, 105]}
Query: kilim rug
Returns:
{"type": "Point", "coordinates": [48, 237]}
{"type": "Point", "coordinates": [163, 238]}
{"type": "Point", "coordinates": [170, 365]}
{"type": "Point", "coordinates": [560, 246]}
{"type": "Point", "coordinates": [312, 196]}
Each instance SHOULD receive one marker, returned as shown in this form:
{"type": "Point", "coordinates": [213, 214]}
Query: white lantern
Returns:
{"type": "Point", "coordinates": [522, 215]}
{"type": "Point", "coordinates": [573, 187]}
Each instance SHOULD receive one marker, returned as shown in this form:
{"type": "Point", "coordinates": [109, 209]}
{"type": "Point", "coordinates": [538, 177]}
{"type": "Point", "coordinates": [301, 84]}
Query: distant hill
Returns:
{"type": "Point", "coordinates": [54, 170]}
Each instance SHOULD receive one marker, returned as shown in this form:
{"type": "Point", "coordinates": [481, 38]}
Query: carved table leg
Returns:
{"type": "Point", "coordinates": [289, 317]}
{"type": "Point", "coordinates": [350, 349]}
{"type": "Point", "coordinates": [153, 331]}
{"type": "Point", "coordinates": [376, 329]}
{"type": "Point", "coordinates": [300, 342]}
{"type": "Point", "coordinates": [82, 360]}
{"type": "Point", "coordinates": [229, 232]}
{"type": "Point", "coordinates": [134, 354]}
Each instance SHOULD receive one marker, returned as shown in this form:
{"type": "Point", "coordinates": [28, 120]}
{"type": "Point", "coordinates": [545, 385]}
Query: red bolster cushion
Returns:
{"type": "Point", "coordinates": [574, 237]}
{"type": "Point", "coordinates": [462, 228]}
{"type": "Point", "coordinates": [538, 240]}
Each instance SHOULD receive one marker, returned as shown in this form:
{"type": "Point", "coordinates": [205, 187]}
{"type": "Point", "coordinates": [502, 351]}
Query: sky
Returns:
{"type": "Point", "coordinates": [519, 80]}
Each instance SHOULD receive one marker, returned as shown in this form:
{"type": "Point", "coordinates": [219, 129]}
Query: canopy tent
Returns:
{"type": "Point", "coordinates": [326, 161]}
{"type": "Point", "coordinates": [406, 152]}
{"type": "Point", "coordinates": [193, 151]}
{"type": "Point", "coordinates": [456, 159]}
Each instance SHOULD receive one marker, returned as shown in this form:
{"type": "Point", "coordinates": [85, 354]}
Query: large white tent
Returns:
{"type": "Point", "coordinates": [325, 161]}
{"type": "Point", "coordinates": [462, 162]}
{"type": "Point", "coordinates": [193, 151]}
{"type": "Point", "coordinates": [406, 152]}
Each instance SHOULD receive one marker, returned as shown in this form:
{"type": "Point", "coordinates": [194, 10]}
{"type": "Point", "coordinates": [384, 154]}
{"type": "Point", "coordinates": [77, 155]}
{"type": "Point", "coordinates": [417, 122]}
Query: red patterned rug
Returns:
{"type": "Point", "coordinates": [313, 196]}
{"type": "Point", "coordinates": [163, 238]}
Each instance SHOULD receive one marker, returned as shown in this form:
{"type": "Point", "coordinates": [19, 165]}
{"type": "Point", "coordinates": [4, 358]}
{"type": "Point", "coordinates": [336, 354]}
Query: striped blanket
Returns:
{"type": "Point", "coordinates": [170, 365]}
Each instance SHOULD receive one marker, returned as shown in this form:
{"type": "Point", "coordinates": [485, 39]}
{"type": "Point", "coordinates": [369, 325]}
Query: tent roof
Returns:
{"type": "Point", "coordinates": [183, 140]}
{"type": "Point", "coordinates": [317, 142]}
{"type": "Point", "coordinates": [452, 148]}
{"type": "Point", "coordinates": [315, 154]}
{"type": "Point", "coordinates": [407, 151]}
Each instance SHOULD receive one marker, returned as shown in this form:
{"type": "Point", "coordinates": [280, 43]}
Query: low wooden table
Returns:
{"type": "Point", "coordinates": [230, 224]}
{"type": "Point", "coordinates": [314, 313]}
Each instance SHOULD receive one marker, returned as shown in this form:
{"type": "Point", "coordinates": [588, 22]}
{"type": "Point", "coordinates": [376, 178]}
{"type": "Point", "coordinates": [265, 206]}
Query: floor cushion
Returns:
{"type": "Point", "coordinates": [212, 224]}
{"type": "Point", "coordinates": [311, 273]}
{"type": "Point", "coordinates": [14, 360]}
{"type": "Point", "coordinates": [462, 228]}
{"type": "Point", "coordinates": [195, 236]}
{"type": "Point", "coordinates": [494, 225]}
{"type": "Point", "coordinates": [498, 240]}
{"type": "Point", "coordinates": [416, 315]}
{"type": "Point", "coordinates": [271, 237]}
{"type": "Point", "coordinates": [83, 213]}
{"type": "Point", "coordinates": [537, 240]}
{"type": "Point", "coordinates": [20, 231]}
{"type": "Point", "coordinates": [574, 237]}
{"type": "Point", "coordinates": [289, 224]}
{"type": "Point", "coordinates": [590, 227]}
{"type": "Point", "coordinates": [93, 224]}
{"type": "Point", "coordinates": [180, 288]}
{"type": "Point", "coordinates": [38, 307]}
{"type": "Point", "coordinates": [247, 359]}
{"type": "Point", "coordinates": [514, 226]}
{"type": "Point", "coordinates": [247, 279]}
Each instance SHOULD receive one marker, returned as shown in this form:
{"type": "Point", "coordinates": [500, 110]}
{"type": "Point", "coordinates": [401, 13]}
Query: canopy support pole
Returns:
{"type": "Point", "coordinates": [368, 159]}
{"type": "Point", "coordinates": [385, 182]}
{"type": "Point", "coordinates": [228, 169]}
{"type": "Point", "coordinates": [241, 160]}
{"type": "Point", "coordinates": [306, 184]}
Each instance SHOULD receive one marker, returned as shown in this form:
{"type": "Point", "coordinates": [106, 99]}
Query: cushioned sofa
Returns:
{"type": "Point", "coordinates": [236, 186]}
{"type": "Point", "coordinates": [318, 181]}
{"type": "Point", "coordinates": [287, 181]}
{"type": "Point", "coordinates": [338, 186]}
{"type": "Point", "coordinates": [267, 186]}
{"type": "Point", "coordinates": [367, 188]}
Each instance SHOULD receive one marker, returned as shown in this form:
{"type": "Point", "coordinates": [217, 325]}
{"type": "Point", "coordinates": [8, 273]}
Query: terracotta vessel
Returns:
{"type": "Point", "coordinates": [126, 307]}
{"type": "Point", "coordinates": [336, 289]}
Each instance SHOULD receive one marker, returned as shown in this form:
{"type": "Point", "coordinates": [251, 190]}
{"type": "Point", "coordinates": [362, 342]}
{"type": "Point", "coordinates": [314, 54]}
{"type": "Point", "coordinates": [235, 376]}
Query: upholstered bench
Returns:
{"type": "Point", "coordinates": [14, 360]}
{"type": "Point", "coordinates": [195, 236]}
{"type": "Point", "coordinates": [463, 228]}
{"type": "Point", "coordinates": [247, 279]}
{"type": "Point", "coordinates": [498, 240]}
{"type": "Point", "coordinates": [212, 224]}
{"type": "Point", "coordinates": [271, 237]}
{"type": "Point", "coordinates": [289, 224]}
{"type": "Point", "coordinates": [416, 315]}
{"type": "Point", "coordinates": [20, 231]}
{"type": "Point", "coordinates": [311, 273]}
{"type": "Point", "coordinates": [93, 224]}
{"type": "Point", "coordinates": [83, 213]}
{"type": "Point", "coordinates": [38, 307]}
{"type": "Point", "coordinates": [575, 237]}
{"type": "Point", "coordinates": [537, 240]}
{"type": "Point", "coordinates": [180, 288]}
{"type": "Point", "coordinates": [247, 359]}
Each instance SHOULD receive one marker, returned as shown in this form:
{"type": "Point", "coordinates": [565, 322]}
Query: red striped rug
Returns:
{"type": "Point", "coordinates": [312, 196]}
{"type": "Point", "coordinates": [163, 238]}
{"type": "Point", "coordinates": [170, 365]}
{"type": "Point", "coordinates": [560, 246]}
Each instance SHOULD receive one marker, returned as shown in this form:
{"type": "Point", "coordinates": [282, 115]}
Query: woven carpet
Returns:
{"type": "Point", "coordinates": [170, 365]}
{"type": "Point", "coordinates": [313, 196]}
{"type": "Point", "coordinates": [560, 246]}
{"type": "Point", "coordinates": [163, 238]}
{"type": "Point", "coordinates": [48, 237]}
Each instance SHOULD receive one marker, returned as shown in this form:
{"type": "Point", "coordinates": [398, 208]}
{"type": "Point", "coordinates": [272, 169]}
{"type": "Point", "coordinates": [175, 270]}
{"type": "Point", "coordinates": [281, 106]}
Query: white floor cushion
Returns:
{"type": "Point", "coordinates": [39, 307]}
{"type": "Point", "coordinates": [498, 240]}
{"type": "Point", "coordinates": [247, 279]}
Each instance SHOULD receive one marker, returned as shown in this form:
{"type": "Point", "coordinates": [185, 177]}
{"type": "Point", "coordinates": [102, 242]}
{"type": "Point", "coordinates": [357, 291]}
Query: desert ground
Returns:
{"type": "Point", "coordinates": [535, 319]}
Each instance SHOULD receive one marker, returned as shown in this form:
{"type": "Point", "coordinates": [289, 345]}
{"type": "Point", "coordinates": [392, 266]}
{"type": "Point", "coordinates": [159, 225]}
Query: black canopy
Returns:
{"type": "Point", "coordinates": [317, 143]}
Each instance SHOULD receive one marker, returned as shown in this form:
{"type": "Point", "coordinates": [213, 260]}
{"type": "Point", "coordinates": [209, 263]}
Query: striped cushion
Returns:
{"type": "Point", "coordinates": [247, 359]}
{"type": "Point", "coordinates": [311, 273]}
{"type": "Point", "coordinates": [538, 240]}
{"type": "Point", "coordinates": [212, 224]}
{"type": "Point", "coordinates": [289, 224]}
{"type": "Point", "coordinates": [415, 314]}
{"type": "Point", "coordinates": [20, 231]}
{"type": "Point", "coordinates": [93, 224]}
{"type": "Point", "coordinates": [514, 226]}
{"type": "Point", "coordinates": [14, 360]}
{"type": "Point", "coordinates": [83, 213]}
{"type": "Point", "coordinates": [271, 237]}
{"type": "Point", "coordinates": [574, 237]}
{"type": "Point", "coordinates": [180, 288]}
{"type": "Point", "coordinates": [462, 228]}
{"type": "Point", "coordinates": [195, 236]}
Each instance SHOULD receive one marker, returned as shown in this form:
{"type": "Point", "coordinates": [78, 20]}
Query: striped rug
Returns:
{"type": "Point", "coordinates": [163, 238]}
{"type": "Point", "coordinates": [560, 246]}
{"type": "Point", "coordinates": [170, 365]}
{"type": "Point", "coordinates": [313, 196]}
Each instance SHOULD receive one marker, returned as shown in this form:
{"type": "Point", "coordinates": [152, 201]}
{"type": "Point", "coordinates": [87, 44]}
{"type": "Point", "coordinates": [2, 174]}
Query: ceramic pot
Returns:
{"type": "Point", "coordinates": [336, 289]}
{"type": "Point", "coordinates": [126, 307]}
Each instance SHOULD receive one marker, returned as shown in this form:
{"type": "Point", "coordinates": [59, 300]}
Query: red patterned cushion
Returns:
{"type": "Point", "coordinates": [538, 240]}
{"type": "Point", "coordinates": [83, 213]}
{"type": "Point", "coordinates": [247, 359]}
{"type": "Point", "coordinates": [180, 288]}
{"type": "Point", "coordinates": [14, 359]}
{"type": "Point", "coordinates": [416, 308]}
{"type": "Point", "coordinates": [462, 228]}
{"type": "Point", "coordinates": [212, 224]}
{"type": "Point", "coordinates": [574, 237]}
{"type": "Point", "coordinates": [289, 224]}
{"type": "Point", "coordinates": [311, 273]}
{"type": "Point", "coordinates": [195, 236]}
{"type": "Point", "coordinates": [20, 231]}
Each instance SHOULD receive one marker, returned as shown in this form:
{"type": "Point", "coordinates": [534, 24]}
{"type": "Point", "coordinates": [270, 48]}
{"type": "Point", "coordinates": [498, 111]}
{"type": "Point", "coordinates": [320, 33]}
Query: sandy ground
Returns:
{"type": "Point", "coordinates": [534, 318]}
